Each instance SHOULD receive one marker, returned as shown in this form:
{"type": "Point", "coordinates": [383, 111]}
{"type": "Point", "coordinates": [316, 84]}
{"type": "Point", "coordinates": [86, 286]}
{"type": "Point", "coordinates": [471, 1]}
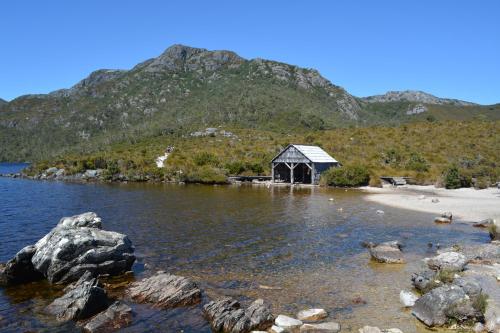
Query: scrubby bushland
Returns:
{"type": "Point", "coordinates": [423, 151]}
{"type": "Point", "coordinates": [346, 176]}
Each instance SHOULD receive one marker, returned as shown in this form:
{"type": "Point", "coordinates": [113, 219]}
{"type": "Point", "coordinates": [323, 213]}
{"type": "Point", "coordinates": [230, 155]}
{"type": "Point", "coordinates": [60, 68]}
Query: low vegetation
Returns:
{"type": "Point", "coordinates": [451, 154]}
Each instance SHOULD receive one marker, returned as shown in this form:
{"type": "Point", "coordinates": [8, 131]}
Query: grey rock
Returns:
{"type": "Point", "coordinates": [165, 290]}
{"type": "Point", "coordinates": [442, 220]}
{"type": "Point", "coordinates": [387, 252]}
{"type": "Point", "coordinates": [423, 280]}
{"type": "Point", "coordinates": [78, 244]}
{"type": "Point", "coordinates": [312, 315]}
{"type": "Point", "coordinates": [414, 96]}
{"type": "Point", "coordinates": [226, 315]}
{"type": "Point", "coordinates": [117, 316]}
{"type": "Point", "coordinates": [450, 261]}
{"type": "Point", "coordinates": [484, 223]}
{"type": "Point", "coordinates": [288, 323]}
{"type": "Point", "coordinates": [83, 299]}
{"type": "Point", "coordinates": [51, 170]}
{"type": "Point", "coordinates": [441, 304]}
{"type": "Point", "coordinates": [20, 269]}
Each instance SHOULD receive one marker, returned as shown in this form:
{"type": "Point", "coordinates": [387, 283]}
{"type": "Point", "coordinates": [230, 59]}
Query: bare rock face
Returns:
{"type": "Point", "coordinates": [78, 244]}
{"type": "Point", "coordinates": [117, 316]}
{"type": "Point", "coordinates": [387, 252]}
{"type": "Point", "coordinates": [226, 315]}
{"type": "Point", "coordinates": [441, 304]}
{"type": "Point", "coordinates": [20, 269]}
{"type": "Point", "coordinates": [165, 291]}
{"type": "Point", "coordinates": [82, 300]}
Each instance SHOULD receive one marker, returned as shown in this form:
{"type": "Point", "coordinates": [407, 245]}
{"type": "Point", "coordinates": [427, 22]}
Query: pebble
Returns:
{"type": "Point", "coordinates": [380, 212]}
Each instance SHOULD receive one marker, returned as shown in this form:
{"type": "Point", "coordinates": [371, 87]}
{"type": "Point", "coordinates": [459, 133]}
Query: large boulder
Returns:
{"type": "Point", "coordinates": [226, 315]}
{"type": "Point", "coordinates": [165, 291]}
{"type": "Point", "coordinates": [387, 252]}
{"type": "Point", "coordinates": [445, 303]}
{"type": "Point", "coordinates": [117, 316]}
{"type": "Point", "coordinates": [82, 300]}
{"type": "Point", "coordinates": [20, 269]}
{"type": "Point", "coordinates": [449, 261]}
{"type": "Point", "coordinates": [78, 244]}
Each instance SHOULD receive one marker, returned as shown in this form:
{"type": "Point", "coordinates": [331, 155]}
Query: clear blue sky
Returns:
{"type": "Point", "coordinates": [448, 48]}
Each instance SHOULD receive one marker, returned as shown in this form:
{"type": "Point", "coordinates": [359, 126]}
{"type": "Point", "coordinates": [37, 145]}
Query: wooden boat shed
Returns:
{"type": "Point", "coordinates": [301, 164]}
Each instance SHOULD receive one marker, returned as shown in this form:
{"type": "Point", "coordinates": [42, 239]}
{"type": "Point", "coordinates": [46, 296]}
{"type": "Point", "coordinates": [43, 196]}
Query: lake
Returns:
{"type": "Point", "coordinates": [235, 240]}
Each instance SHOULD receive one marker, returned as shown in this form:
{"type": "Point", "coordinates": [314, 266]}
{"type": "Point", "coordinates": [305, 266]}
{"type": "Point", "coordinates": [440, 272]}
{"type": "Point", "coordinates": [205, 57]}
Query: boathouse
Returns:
{"type": "Point", "coordinates": [301, 164]}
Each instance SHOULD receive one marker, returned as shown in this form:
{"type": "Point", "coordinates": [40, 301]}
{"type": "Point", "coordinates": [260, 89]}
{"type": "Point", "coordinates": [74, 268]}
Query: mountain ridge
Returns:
{"type": "Point", "coordinates": [187, 88]}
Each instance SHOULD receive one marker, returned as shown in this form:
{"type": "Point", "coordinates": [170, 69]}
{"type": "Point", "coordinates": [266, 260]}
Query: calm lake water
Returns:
{"type": "Point", "coordinates": [232, 240]}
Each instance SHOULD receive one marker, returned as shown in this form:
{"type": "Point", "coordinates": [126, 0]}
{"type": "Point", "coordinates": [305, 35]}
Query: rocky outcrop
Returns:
{"type": "Point", "coordinates": [387, 252]}
{"type": "Point", "coordinates": [445, 303]}
{"type": "Point", "coordinates": [117, 316]}
{"type": "Point", "coordinates": [20, 268]}
{"type": "Point", "coordinates": [449, 261]}
{"type": "Point", "coordinates": [82, 300]}
{"type": "Point", "coordinates": [414, 96]}
{"type": "Point", "coordinates": [76, 245]}
{"type": "Point", "coordinates": [165, 291]}
{"type": "Point", "coordinates": [226, 315]}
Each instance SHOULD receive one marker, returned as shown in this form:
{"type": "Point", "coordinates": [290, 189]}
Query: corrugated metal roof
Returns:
{"type": "Point", "coordinates": [315, 154]}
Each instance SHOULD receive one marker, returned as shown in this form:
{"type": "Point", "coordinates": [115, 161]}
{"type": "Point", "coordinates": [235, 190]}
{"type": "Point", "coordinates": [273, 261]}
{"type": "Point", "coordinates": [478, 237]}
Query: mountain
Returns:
{"type": "Point", "coordinates": [2, 102]}
{"type": "Point", "coordinates": [414, 96]}
{"type": "Point", "coordinates": [186, 89]}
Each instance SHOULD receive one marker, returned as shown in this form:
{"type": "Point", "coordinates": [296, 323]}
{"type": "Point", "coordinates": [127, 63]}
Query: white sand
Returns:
{"type": "Point", "coordinates": [466, 203]}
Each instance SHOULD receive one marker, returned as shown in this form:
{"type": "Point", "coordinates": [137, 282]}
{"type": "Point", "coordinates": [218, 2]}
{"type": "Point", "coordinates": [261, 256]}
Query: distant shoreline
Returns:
{"type": "Point", "coordinates": [466, 204]}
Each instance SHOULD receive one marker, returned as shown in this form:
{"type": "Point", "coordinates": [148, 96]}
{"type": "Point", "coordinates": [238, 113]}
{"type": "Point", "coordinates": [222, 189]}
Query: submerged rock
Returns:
{"type": "Point", "coordinates": [446, 217]}
{"type": "Point", "coordinates": [117, 316]}
{"type": "Point", "coordinates": [387, 252]}
{"type": "Point", "coordinates": [226, 315]}
{"type": "Point", "coordinates": [329, 327]}
{"type": "Point", "coordinates": [450, 261]}
{"type": "Point", "coordinates": [441, 304]}
{"type": "Point", "coordinates": [312, 315]}
{"type": "Point", "coordinates": [165, 290]}
{"type": "Point", "coordinates": [82, 300]}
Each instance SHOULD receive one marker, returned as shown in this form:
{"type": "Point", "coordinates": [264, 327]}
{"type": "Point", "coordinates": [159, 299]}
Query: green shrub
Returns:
{"type": "Point", "coordinates": [205, 175]}
{"type": "Point", "coordinates": [452, 178]}
{"type": "Point", "coordinates": [235, 168]}
{"type": "Point", "coordinates": [417, 163]}
{"type": "Point", "coordinates": [346, 176]}
{"type": "Point", "coordinates": [205, 158]}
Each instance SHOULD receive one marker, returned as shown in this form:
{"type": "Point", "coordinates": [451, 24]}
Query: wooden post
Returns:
{"type": "Point", "coordinates": [291, 173]}
{"type": "Point", "coordinates": [312, 174]}
{"type": "Point", "coordinates": [272, 172]}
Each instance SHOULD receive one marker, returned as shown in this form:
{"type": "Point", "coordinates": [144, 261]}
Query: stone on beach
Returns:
{"type": "Point", "coordinates": [312, 315]}
{"type": "Point", "coordinates": [329, 327]}
{"type": "Point", "coordinates": [82, 300]}
{"type": "Point", "coordinates": [423, 280]}
{"type": "Point", "coordinates": [277, 329]}
{"type": "Point", "coordinates": [450, 261]}
{"type": "Point", "coordinates": [288, 323]}
{"type": "Point", "coordinates": [226, 315]}
{"type": "Point", "coordinates": [165, 290]}
{"type": "Point", "coordinates": [117, 316]}
{"type": "Point", "coordinates": [387, 252]}
{"type": "Point", "coordinates": [407, 298]}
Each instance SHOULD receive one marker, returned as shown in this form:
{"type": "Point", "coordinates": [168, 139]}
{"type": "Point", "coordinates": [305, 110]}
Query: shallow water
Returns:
{"type": "Point", "coordinates": [232, 240]}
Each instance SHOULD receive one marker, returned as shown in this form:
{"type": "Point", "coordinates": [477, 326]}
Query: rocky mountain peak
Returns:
{"type": "Point", "coordinates": [184, 58]}
{"type": "Point", "coordinates": [3, 102]}
{"type": "Point", "coordinates": [414, 96]}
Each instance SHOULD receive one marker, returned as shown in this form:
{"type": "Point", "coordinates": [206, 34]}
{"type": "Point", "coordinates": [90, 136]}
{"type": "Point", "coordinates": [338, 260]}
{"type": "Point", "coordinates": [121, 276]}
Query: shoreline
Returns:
{"type": "Point", "coordinates": [466, 204]}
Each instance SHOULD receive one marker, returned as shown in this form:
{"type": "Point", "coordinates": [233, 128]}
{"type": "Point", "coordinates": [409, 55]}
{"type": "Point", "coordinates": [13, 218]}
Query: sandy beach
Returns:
{"type": "Point", "coordinates": [466, 204]}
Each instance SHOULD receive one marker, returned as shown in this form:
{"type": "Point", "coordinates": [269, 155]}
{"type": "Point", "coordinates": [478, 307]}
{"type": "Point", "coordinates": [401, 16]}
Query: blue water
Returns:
{"type": "Point", "coordinates": [230, 240]}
